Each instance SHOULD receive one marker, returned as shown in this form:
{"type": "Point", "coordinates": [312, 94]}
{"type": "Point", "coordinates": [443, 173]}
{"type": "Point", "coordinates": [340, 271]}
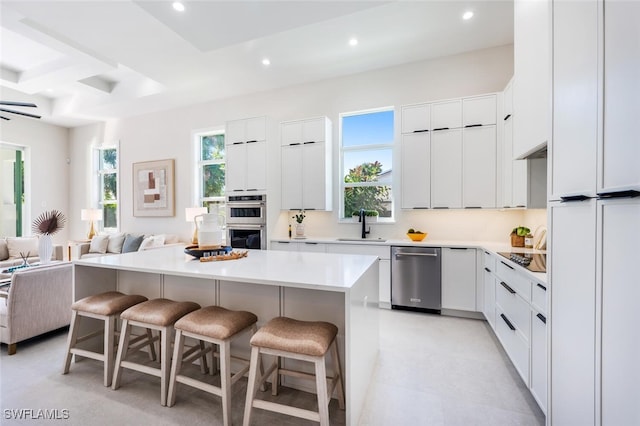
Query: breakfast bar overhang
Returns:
{"type": "Point", "coordinates": [342, 289]}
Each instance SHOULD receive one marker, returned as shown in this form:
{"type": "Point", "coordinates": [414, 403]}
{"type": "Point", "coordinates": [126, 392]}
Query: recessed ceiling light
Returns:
{"type": "Point", "coordinates": [266, 62]}
{"type": "Point", "coordinates": [353, 41]}
{"type": "Point", "coordinates": [467, 15]}
{"type": "Point", "coordinates": [178, 6]}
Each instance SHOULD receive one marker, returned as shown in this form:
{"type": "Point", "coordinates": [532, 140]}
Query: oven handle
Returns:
{"type": "Point", "coordinates": [244, 204]}
{"type": "Point", "coordinates": [244, 226]}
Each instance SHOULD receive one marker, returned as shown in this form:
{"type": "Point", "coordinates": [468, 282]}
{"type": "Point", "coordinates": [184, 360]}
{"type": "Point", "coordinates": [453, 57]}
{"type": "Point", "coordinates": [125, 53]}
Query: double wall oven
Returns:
{"type": "Point", "coordinates": [247, 221]}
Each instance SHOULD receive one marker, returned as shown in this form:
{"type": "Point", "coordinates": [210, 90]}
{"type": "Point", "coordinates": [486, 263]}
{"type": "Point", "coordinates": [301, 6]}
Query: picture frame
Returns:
{"type": "Point", "coordinates": [153, 188]}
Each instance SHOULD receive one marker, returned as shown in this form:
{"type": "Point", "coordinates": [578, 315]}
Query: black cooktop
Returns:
{"type": "Point", "coordinates": [535, 262]}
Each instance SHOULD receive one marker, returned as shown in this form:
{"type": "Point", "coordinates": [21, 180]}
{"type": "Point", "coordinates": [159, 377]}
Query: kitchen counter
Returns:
{"type": "Point", "coordinates": [342, 289]}
{"type": "Point", "coordinates": [491, 246]}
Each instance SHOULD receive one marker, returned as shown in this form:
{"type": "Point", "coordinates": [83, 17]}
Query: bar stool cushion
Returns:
{"type": "Point", "coordinates": [216, 322]}
{"type": "Point", "coordinates": [108, 303]}
{"type": "Point", "coordinates": [160, 312]}
{"type": "Point", "coordinates": [300, 337]}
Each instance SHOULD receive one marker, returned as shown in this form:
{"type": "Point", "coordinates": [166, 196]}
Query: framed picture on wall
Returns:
{"type": "Point", "coordinates": [153, 188]}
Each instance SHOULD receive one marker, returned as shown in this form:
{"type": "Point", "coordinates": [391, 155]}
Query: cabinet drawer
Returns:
{"type": "Point", "coordinates": [514, 307]}
{"type": "Point", "coordinates": [514, 344]}
{"type": "Point", "coordinates": [312, 247]}
{"type": "Point", "coordinates": [514, 279]}
{"type": "Point", "coordinates": [539, 296]}
{"type": "Point", "coordinates": [490, 262]}
{"type": "Point", "coordinates": [284, 246]}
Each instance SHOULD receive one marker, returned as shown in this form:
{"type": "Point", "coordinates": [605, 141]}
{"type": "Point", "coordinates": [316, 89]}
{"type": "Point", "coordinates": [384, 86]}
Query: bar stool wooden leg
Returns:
{"type": "Point", "coordinates": [337, 373]}
{"type": "Point", "coordinates": [122, 353]}
{"type": "Point", "coordinates": [251, 385]}
{"type": "Point", "coordinates": [176, 366]}
{"type": "Point", "coordinates": [71, 340]}
{"type": "Point", "coordinates": [109, 333]}
{"type": "Point", "coordinates": [165, 365]}
{"type": "Point", "coordinates": [321, 389]}
{"type": "Point", "coordinates": [225, 380]}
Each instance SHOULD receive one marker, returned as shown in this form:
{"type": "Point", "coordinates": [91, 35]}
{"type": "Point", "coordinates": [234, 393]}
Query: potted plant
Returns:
{"type": "Point", "coordinates": [45, 225]}
{"type": "Point", "coordinates": [299, 217]}
{"type": "Point", "coordinates": [517, 236]}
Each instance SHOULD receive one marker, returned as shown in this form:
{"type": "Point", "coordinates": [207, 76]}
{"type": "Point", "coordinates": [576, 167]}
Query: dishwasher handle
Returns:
{"type": "Point", "coordinates": [401, 253]}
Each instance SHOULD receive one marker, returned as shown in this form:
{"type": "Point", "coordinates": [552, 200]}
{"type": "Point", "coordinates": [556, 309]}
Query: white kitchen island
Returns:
{"type": "Point", "coordinates": [342, 289]}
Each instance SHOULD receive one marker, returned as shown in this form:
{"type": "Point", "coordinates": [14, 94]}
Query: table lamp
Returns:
{"type": "Point", "coordinates": [190, 214]}
{"type": "Point", "coordinates": [91, 215]}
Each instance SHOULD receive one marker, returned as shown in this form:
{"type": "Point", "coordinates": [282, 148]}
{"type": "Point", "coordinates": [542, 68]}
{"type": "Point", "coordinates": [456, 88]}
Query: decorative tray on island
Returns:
{"type": "Point", "coordinates": [198, 252]}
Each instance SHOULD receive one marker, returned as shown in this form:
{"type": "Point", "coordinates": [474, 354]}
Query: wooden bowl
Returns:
{"type": "Point", "coordinates": [417, 237]}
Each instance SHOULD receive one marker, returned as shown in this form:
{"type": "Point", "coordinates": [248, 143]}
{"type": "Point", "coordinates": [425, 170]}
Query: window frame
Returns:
{"type": "Point", "coordinates": [199, 164]}
{"type": "Point", "coordinates": [100, 174]}
{"type": "Point", "coordinates": [368, 148]}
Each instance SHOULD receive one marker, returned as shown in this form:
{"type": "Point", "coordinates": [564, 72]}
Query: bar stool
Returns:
{"type": "Point", "coordinates": [105, 307]}
{"type": "Point", "coordinates": [218, 326]}
{"type": "Point", "coordinates": [156, 314]}
{"type": "Point", "coordinates": [300, 340]}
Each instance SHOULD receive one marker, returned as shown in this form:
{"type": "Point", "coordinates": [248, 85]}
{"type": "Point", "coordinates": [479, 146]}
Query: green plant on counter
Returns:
{"type": "Point", "coordinates": [367, 213]}
{"type": "Point", "coordinates": [521, 231]}
{"type": "Point", "coordinates": [299, 217]}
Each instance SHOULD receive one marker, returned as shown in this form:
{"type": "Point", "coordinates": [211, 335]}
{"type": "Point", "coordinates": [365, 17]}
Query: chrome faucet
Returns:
{"type": "Point", "coordinates": [361, 219]}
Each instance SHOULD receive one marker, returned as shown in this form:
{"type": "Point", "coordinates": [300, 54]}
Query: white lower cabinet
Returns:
{"type": "Point", "coordinates": [514, 343]}
{"type": "Point", "coordinates": [489, 307]}
{"type": "Point", "coordinates": [459, 279]}
{"type": "Point", "coordinates": [298, 246]}
{"type": "Point", "coordinates": [539, 358]}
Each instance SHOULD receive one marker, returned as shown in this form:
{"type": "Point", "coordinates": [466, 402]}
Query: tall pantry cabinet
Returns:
{"type": "Point", "coordinates": [594, 214]}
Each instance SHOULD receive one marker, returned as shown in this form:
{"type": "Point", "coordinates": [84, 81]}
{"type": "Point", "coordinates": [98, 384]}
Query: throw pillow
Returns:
{"type": "Point", "coordinates": [99, 244]}
{"type": "Point", "coordinates": [131, 243]}
{"type": "Point", "coordinates": [171, 239]}
{"type": "Point", "coordinates": [115, 243]}
{"type": "Point", "coordinates": [17, 245]}
{"type": "Point", "coordinates": [4, 250]}
{"type": "Point", "coordinates": [152, 241]}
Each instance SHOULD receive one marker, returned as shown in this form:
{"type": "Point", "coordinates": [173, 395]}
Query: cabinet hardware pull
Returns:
{"type": "Point", "coordinates": [473, 207]}
{"type": "Point", "coordinates": [283, 242]}
{"type": "Point", "coordinates": [508, 322]}
{"type": "Point", "coordinates": [420, 208]}
{"type": "Point", "coordinates": [294, 144]}
{"type": "Point", "coordinates": [506, 117]}
{"type": "Point", "coordinates": [541, 286]}
{"type": "Point", "coordinates": [436, 207]}
{"type": "Point", "coordinates": [311, 243]}
{"type": "Point", "coordinates": [308, 142]}
{"type": "Point", "coordinates": [619, 194]}
{"type": "Point", "coordinates": [309, 209]}
{"type": "Point", "coordinates": [506, 207]}
{"type": "Point", "coordinates": [509, 289]}
{"type": "Point", "coordinates": [458, 248]}
{"type": "Point", "coordinates": [472, 125]}
{"type": "Point", "coordinates": [440, 128]}
{"type": "Point", "coordinates": [421, 131]}
{"type": "Point", "coordinates": [252, 141]}
{"type": "Point", "coordinates": [542, 318]}
{"type": "Point", "coordinates": [252, 189]}
{"type": "Point", "coordinates": [568, 198]}
{"type": "Point", "coordinates": [487, 269]}
{"type": "Point", "coordinates": [508, 266]}
{"type": "Point", "coordinates": [237, 143]}
{"type": "Point", "coordinates": [521, 205]}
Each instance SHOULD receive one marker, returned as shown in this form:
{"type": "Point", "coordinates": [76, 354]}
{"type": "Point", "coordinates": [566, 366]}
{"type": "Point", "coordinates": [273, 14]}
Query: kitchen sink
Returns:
{"type": "Point", "coordinates": [362, 240]}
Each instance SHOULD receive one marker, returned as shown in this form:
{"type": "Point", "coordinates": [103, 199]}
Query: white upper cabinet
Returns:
{"type": "Point", "coordinates": [306, 164]}
{"type": "Point", "coordinates": [479, 111]}
{"type": "Point", "coordinates": [575, 106]}
{"type": "Point", "coordinates": [416, 176]}
{"type": "Point", "coordinates": [246, 155]}
{"type": "Point", "coordinates": [416, 118]}
{"type": "Point", "coordinates": [620, 147]}
{"type": "Point", "coordinates": [248, 129]}
{"type": "Point", "coordinates": [446, 169]}
{"type": "Point", "coordinates": [479, 167]}
{"type": "Point", "coordinates": [446, 114]}
{"type": "Point", "coordinates": [532, 83]}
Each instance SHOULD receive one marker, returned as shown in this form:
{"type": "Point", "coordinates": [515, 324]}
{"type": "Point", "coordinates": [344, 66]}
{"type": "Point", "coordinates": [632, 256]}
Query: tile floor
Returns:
{"type": "Point", "coordinates": [432, 370]}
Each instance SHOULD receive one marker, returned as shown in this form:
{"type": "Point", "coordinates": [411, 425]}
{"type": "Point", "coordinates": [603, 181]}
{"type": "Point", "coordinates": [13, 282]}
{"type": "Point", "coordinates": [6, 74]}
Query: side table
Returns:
{"type": "Point", "coordinates": [74, 243]}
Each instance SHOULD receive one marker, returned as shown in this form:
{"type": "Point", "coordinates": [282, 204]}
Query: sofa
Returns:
{"type": "Point", "coordinates": [38, 300]}
{"type": "Point", "coordinates": [11, 247]}
{"type": "Point", "coordinates": [110, 244]}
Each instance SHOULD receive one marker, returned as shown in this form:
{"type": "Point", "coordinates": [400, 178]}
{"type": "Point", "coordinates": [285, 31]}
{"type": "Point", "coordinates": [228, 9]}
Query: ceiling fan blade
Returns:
{"type": "Point", "coordinates": [20, 104]}
{"type": "Point", "coordinates": [19, 113]}
{"type": "Point", "coordinates": [4, 118]}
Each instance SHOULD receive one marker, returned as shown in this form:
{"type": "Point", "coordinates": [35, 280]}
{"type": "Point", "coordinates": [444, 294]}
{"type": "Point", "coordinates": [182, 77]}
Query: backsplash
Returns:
{"type": "Point", "coordinates": [455, 225]}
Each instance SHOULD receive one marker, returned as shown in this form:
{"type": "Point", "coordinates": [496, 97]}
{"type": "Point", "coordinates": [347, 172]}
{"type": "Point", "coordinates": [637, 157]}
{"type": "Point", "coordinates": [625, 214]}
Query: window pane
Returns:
{"type": "Point", "coordinates": [110, 215]}
{"type": "Point", "coordinates": [213, 180]}
{"type": "Point", "coordinates": [109, 186]}
{"type": "Point", "coordinates": [376, 198]}
{"type": "Point", "coordinates": [108, 159]}
{"type": "Point", "coordinates": [367, 129]}
{"type": "Point", "coordinates": [212, 147]}
{"type": "Point", "coordinates": [367, 166]}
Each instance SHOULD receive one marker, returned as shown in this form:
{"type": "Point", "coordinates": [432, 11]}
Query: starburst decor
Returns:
{"type": "Point", "coordinates": [48, 223]}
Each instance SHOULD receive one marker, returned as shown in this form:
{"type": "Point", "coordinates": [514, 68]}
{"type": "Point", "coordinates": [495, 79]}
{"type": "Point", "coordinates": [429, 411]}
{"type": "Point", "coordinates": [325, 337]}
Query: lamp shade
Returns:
{"type": "Point", "coordinates": [91, 214]}
{"type": "Point", "coordinates": [191, 212]}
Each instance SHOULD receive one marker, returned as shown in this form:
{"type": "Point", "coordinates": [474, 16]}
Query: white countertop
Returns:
{"type": "Point", "coordinates": [319, 271]}
{"type": "Point", "coordinates": [490, 246]}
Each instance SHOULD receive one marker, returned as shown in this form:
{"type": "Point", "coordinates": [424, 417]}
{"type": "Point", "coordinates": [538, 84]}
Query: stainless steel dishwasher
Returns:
{"type": "Point", "coordinates": [416, 274]}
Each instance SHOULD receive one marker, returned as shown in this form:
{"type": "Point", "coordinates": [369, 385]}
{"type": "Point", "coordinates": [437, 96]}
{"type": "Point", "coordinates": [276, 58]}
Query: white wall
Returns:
{"type": "Point", "coordinates": [168, 135]}
{"type": "Point", "coordinates": [46, 167]}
